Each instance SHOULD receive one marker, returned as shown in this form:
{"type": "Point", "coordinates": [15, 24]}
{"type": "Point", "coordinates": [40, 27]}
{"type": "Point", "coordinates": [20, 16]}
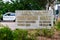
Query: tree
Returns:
{"type": "Point", "coordinates": [58, 0]}
{"type": "Point", "coordinates": [31, 4]}
{"type": "Point", "coordinates": [23, 5]}
{"type": "Point", "coordinates": [1, 7]}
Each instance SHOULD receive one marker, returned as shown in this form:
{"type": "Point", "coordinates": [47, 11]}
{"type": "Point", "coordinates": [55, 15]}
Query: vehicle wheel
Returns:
{"type": "Point", "coordinates": [0, 20]}
{"type": "Point", "coordinates": [14, 21]}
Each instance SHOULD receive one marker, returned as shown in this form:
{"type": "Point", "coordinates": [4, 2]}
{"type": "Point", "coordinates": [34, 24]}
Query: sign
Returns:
{"type": "Point", "coordinates": [34, 19]}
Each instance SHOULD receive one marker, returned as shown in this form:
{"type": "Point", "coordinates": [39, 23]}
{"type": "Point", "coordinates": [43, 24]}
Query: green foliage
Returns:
{"type": "Point", "coordinates": [6, 34]}
{"type": "Point", "coordinates": [48, 32]}
{"type": "Point", "coordinates": [58, 25]}
{"type": "Point", "coordinates": [21, 5]}
{"type": "Point", "coordinates": [40, 32]}
{"type": "Point", "coordinates": [32, 35]}
{"type": "Point", "coordinates": [1, 17]}
{"type": "Point", "coordinates": [20, 34]}
{"type": "Point", "coordinates": [45, 32]}
{"type": "Point", "coordinates": [30, 4]}
{"type": "Point", "coordinates": [58, 0]}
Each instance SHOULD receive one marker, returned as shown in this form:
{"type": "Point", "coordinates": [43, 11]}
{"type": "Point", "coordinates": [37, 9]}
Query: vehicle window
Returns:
{"type": "Point", "coordinates": [58, 7]}
{"type": "Point", "coordinates": [7, 15]}
{"type": "Point", "coordinates": [12, 14]}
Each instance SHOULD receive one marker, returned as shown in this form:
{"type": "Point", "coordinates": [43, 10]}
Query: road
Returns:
{"type": "Point", "coordinates": [11, 25]}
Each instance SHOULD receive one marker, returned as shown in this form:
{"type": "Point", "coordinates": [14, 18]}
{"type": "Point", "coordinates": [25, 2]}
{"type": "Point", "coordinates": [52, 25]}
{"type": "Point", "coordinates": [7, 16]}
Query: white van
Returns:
{"type": "Point", "coordinates": [9, 16]}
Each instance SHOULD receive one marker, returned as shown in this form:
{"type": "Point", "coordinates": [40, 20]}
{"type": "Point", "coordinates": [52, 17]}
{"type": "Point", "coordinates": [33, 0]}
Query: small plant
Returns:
{"type": "Point", "coordinates": [32, 35]}
{"type": "Point", "coordinates": [6, 34]}
{"type": "Point", "coordinates": [40, 32]}
{"type": "Point", "coordinates": [48, 32]}
{"type": "Point", "coordinates": [20, 34]}
{"type": "Point", "coordinates": [58, 26]}
{"type": "Point", "coordinates": [45, 32]}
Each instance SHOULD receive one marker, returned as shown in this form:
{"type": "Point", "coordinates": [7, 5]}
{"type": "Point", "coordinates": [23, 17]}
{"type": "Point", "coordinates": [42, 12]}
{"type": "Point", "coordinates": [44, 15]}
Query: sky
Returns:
{"type": "Point", "coordinates": [6, 0]}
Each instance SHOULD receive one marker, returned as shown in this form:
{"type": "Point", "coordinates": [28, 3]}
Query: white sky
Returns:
{"type": "Point", "coordinates": [6, 0]}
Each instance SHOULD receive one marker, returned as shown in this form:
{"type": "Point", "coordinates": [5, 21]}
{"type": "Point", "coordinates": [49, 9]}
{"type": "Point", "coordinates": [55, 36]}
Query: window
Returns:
{"type": "Point", "coordinates": [7, 14]}
{"type": "Point", "coordinates": [12, 14]}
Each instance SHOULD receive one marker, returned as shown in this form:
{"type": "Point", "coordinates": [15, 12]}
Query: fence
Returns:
{"type": "Point", "coordinates": [33, 19]}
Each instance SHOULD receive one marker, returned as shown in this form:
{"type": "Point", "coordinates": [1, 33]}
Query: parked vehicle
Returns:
{"type": "Point", "coordinates": [57, 11]}
{"type": "Point", "coordinates": [9, 16]}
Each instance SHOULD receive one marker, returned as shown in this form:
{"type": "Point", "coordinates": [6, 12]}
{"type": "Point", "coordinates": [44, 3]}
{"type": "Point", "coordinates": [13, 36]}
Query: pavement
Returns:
{"type": "Point", "coordinates": [11, 25]}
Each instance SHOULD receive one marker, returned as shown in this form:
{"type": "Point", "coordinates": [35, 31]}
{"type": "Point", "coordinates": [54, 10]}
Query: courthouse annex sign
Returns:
{"type": "Point", "coordinates": [33, 19]}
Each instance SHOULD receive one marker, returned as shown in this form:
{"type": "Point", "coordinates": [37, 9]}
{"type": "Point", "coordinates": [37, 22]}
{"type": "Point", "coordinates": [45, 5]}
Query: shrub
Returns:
{"type": "Point", "coordinates": [48, 32]}
{"type": "Point", "coordinates": [6, 34]}
{"type": "Point", "coordinates": [1, 17]}
{"type": "Point", "coordinates": [40, 32]}
{"type": "Point", "coordinates": [32, 35]}
{"type": "Point", "coordinates": [45, 32]}
{"type": "Point", "coordinates": [20, 34]}
{"type": "Point", "coordinates": [58, 26]}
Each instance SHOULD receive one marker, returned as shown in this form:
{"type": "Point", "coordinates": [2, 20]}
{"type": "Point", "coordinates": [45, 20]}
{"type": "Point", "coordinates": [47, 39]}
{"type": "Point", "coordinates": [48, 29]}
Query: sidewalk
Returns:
{"type": "Point", "coordinates": [11, 25]}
